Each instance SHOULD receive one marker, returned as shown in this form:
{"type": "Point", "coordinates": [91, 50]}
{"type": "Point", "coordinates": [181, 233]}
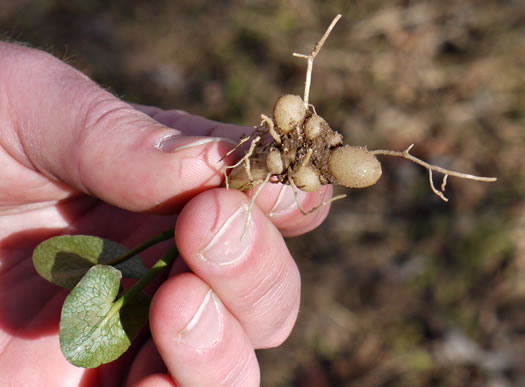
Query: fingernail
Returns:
{"type": "Point", "coordinates": [205, 328]}
{"type": "Point", "coordinates": [175, 143]}
{"type": "Point", "coordinates": [286, 201]}
{"type": "Point", "coordinates": [232, 242]}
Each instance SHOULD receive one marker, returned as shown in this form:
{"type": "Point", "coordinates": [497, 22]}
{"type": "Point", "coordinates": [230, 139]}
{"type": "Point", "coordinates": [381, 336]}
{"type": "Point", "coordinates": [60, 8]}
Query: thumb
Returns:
{"type": "Point", "coordinates": [69, 129]}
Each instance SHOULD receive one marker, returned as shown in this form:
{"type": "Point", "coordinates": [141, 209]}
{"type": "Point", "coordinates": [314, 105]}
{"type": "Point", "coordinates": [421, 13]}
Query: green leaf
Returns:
{"type": "Point", "coordinates": [64, 259]}
{"type": "Point", "coordinates": [94, 329]}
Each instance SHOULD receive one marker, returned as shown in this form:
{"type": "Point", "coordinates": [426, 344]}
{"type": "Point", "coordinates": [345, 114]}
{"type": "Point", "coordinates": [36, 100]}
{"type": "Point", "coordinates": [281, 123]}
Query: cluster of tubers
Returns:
{"type": "Point", "coordinates": [303, 150]}
{"type": "Point", "coordinates": [298, 147]}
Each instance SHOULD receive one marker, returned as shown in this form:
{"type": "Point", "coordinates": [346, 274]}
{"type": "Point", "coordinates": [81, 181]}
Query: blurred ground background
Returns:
{"type": "Point", "coordinates": [399, 288]}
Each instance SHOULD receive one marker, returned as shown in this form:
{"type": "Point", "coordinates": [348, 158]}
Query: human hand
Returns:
{"type": "Point", "coordinates": [76, 160]}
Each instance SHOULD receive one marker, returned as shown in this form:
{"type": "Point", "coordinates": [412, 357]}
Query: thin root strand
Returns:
{"type": "Point", "coordinates": [245, 159]}
{"type": "Point", "coordinates": [310, 58]}
{"type": "Point", "coordinates": [430, 167]}
{"type": "Point", "coordinates": [271, 128]}
{"type": "Point", "coordinates": [444, 183]}
{"type": "Point", "coordinates": [438, 193]}
{"type": "Point", "coordinates": [303, 211]}
{"type": "Point", "coordinates": [241, 141]}
{"type": "Point", "coordinates": [252, 203]}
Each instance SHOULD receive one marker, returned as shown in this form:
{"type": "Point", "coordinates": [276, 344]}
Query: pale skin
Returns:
{"type": "Point", "coordinates": [75, 159]}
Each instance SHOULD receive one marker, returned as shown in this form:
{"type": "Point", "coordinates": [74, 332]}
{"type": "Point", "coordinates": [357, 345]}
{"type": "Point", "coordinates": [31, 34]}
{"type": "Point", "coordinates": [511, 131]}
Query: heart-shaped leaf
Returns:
{"type": "Point", "coordinates": [64, 259]}
{"type": "Point", "coordinates": [94, 328]}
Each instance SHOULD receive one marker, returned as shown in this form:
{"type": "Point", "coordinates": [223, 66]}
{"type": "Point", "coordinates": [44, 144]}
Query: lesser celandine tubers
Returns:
{"type": "Point", "coordinates": [354, 167]}
{"type": "Point", "coordinates": [289, 113]}
{"type": "Point", "coordinates": [297, 147]}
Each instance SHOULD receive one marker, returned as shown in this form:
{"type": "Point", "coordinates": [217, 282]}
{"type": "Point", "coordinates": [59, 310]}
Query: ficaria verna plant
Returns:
{"type": "Point", "coordinates": [295, 147]}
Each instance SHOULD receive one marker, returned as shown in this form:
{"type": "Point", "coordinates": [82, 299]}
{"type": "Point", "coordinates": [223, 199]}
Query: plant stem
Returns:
{"type": "Point", "coordinates": [311, 58]}
{"type": "Point", "coordinates": [158, 267]}
{"type": "Point", "coordinates": [163, 236]}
